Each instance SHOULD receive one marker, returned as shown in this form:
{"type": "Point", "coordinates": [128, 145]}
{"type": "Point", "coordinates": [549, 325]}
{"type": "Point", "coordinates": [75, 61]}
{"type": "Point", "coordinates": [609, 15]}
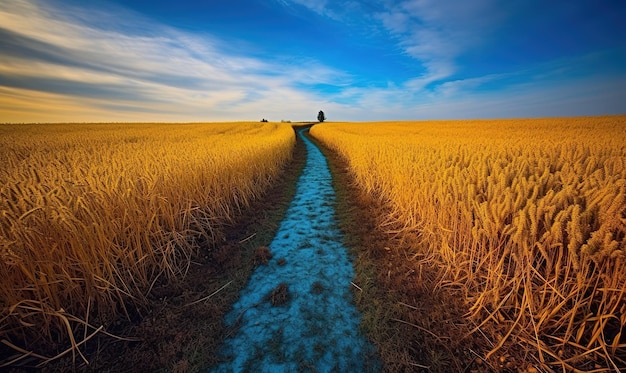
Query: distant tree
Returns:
{"type": "Point", "coordinates": [320, 116]}
{"type": "Point", "coordinates": [263, 120]}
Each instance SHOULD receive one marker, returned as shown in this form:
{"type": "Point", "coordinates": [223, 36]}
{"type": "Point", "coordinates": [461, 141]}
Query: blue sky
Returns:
{"type": "Point", "coordinates": [141, 60]}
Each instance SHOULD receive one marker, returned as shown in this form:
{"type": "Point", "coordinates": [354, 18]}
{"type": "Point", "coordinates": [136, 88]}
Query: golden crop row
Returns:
{"type": "Point", "coordinates": [91, 215]}
{"type": "Point", "coordinates": [529, 216]}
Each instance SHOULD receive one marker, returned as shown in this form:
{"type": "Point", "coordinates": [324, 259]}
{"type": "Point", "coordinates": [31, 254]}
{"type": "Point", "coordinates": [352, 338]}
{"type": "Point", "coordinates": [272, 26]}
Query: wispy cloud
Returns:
{"type": "Point", "coordinates": [78, 63]}
{"type": "Point", "coordinates": [555, 88]}
{"type": "Point", "coordinates": [318, 6]}
{"type": "Point", "coordinates": [434, 33]}
{"type": "Point", "coordinates": [321, 7]}
{"type": "Point", "coordinates": [437, 32]}
{"type": "Point", "coordinates": [144, 69]}
{"type": "Point", "coordinates": [461, 100]}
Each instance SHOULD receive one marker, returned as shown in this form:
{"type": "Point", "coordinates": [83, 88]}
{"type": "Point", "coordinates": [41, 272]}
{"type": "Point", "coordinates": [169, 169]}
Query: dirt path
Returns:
{"type": "Point", "coordinates": [297, 312]}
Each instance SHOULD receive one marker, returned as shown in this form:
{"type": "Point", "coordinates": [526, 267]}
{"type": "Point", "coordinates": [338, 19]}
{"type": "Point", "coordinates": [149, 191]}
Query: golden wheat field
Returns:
{"type": "Point", "coordinates": [527, 216]}
{"type": "Point", "coordinates": [92, 215]}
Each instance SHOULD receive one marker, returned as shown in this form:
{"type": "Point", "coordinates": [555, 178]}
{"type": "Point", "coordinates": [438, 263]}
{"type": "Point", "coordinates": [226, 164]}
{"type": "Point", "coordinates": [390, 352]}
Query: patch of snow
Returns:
{"type": "Point", "coordinates": [317, 329]}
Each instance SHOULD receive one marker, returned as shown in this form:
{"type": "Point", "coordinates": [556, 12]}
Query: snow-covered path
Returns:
{"type": "Point", "coordinates": [317, 328]}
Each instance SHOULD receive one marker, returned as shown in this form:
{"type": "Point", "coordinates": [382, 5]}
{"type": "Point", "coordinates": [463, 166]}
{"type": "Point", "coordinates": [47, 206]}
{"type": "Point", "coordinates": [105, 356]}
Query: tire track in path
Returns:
{"type": "Point", "coordinates": [314, 324]}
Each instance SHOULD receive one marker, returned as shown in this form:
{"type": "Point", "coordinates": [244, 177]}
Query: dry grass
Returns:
{"type": "Point", "coordinates": [527, 217]}
{"type": "Point", "coordinates": [93, 215]}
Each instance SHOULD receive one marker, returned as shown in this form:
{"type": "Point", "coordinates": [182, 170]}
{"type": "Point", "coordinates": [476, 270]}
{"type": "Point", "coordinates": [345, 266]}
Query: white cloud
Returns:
{"type": "Point", "coordinates": [72, 64]}
{"type": "Point", "coordinates": [437, 32]}
{"type": "Point", "coordinates": [465, 86]}
{"type": "Point", "coordinates": [141, 68]}
{"type": "Point", "coordinates": [318, 6]}
{"type": "Point", "coordinates": [321, 7]}
{"type": "Point", "coordinates": [460, 100]}
{"type": "Point", "coordinates": [396, 22]}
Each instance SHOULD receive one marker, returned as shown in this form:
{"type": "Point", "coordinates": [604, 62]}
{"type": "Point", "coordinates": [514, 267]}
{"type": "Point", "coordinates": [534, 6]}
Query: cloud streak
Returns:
{"type": "Point", "coordinates": [437, 32]}
{"type": "Point", "coordinates": [68, 63]}
{"type": "Point", "coordinates": [164, 73]}
{"type": "Point", "coordinates": [433, 33]}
